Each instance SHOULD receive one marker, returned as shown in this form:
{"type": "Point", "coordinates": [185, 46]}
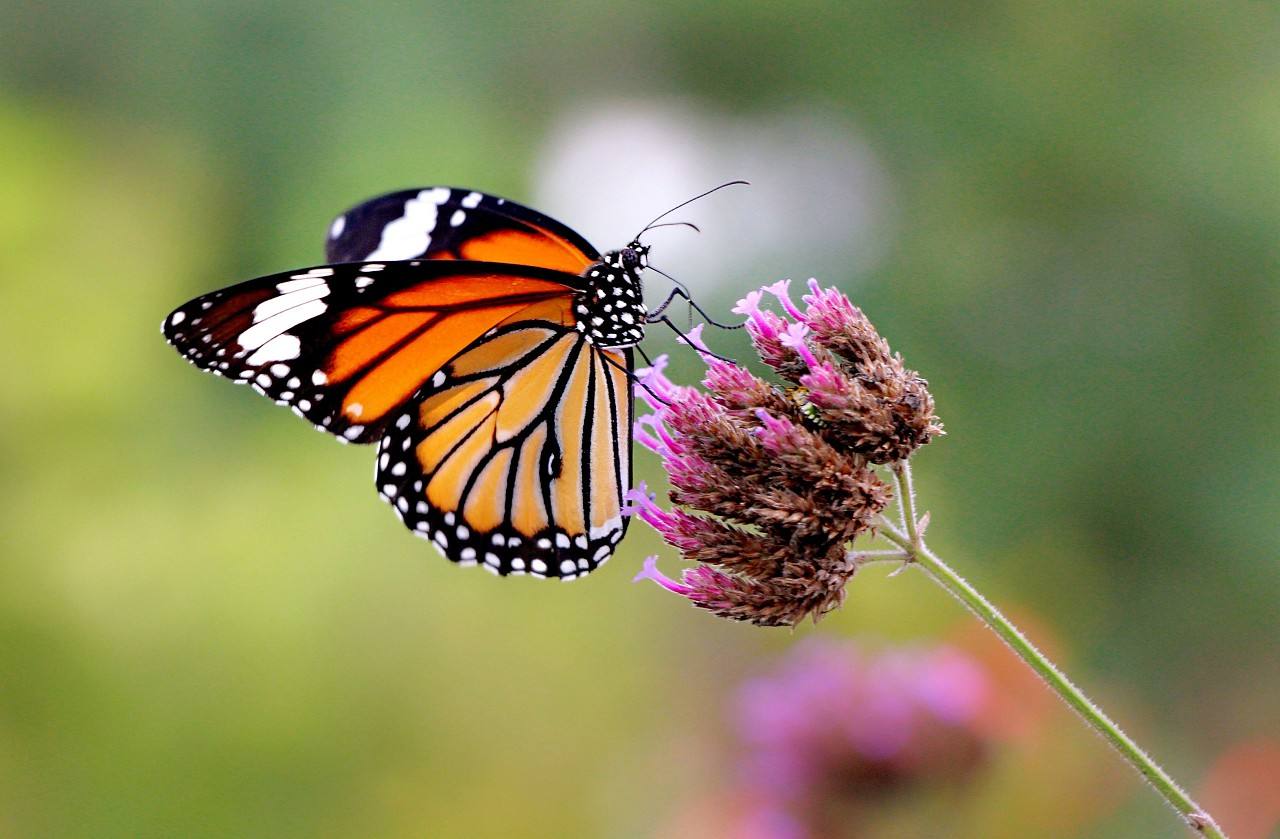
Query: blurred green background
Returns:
{"type": "Point", "coordinates": [1065, 215]}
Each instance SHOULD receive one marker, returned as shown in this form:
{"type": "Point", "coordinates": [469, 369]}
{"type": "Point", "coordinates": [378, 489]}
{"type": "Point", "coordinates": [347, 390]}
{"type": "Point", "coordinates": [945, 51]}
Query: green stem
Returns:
{"type": "Point", "coordinates": [908, 538]}
{"type": "Point", "coordinates": [863, 558]}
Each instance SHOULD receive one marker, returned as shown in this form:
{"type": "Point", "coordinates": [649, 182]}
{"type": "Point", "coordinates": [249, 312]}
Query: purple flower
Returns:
{"type": "Point", "coordinates": [793, 337]}
{"type": "Point", "coordinates": [772, 482]}
{"type": "Point", "coordinates": [780, 290]}
{"type": "Point", "coordinates": [833, 721]}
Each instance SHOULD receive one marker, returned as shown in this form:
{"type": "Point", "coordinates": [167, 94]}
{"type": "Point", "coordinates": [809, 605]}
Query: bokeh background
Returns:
{"type": "Point", "coordinates": [1067, 216]}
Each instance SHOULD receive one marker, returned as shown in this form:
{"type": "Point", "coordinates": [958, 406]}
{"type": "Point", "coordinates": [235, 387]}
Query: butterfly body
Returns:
{"type": "Point", "coordinates": [610, 312]}
{"type": "Point", "coordinates": [482, 345]}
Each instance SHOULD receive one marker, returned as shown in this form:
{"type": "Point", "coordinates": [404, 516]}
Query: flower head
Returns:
{"type": "Point", "coordinates": [772, 483]}
{"type": "Point", "coordinates": [834, 725]}
{"type": "Point", "coordinates": [864, 394]}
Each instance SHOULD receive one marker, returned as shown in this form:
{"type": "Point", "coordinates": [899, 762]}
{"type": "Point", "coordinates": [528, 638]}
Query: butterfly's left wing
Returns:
{"type": "Point", "coordinates": [346, 345]}
{"type": "Point", "coordinates": [443, 222]}
{"type": "Point", "coordinates": [516, 456]}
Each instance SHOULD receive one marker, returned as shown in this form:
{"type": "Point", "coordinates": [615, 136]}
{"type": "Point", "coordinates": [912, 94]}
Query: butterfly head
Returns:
{"type": "Point", "coordinates": [632, 259]}
{"type": "Point", "coordinates": [634, 256]}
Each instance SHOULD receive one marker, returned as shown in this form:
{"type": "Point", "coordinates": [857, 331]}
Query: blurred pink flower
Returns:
{"type": "Point", "coordinates": [834, 726]}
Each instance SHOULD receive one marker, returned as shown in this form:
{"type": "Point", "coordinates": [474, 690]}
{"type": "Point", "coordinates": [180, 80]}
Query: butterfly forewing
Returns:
{"type": "Point", "coordinates": [345, 345]}
{"type": "Point", "coordinates": [447, 223]}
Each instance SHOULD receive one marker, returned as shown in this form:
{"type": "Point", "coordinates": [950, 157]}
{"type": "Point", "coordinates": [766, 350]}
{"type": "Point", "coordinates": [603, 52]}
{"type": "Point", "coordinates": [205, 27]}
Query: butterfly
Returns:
{"type": "Point", "coordinates": [485, 348]}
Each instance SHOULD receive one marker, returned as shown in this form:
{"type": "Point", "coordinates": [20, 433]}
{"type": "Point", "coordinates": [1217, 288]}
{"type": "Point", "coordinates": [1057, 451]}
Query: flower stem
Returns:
{"type": "Point", "coordinates": [908, 538]}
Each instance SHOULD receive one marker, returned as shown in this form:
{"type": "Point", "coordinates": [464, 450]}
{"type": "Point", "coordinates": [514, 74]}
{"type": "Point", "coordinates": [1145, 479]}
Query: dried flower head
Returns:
{"type": "Point", "coordinates": [772, 482]}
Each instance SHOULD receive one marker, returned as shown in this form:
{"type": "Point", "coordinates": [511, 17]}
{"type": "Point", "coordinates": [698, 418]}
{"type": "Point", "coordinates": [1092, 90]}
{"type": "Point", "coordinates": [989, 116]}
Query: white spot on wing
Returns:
{"type": "Point", "coordinates": [612, 525]}
{"type": "Point", "coordinates": [471, 200]}
{"type": "Point", "coordinates": [322, 271]}
{"type": "Point", "coordinates": [410, 235]}
{"type": "Point", "coordinates": [299, 284]}
{"type": "Point", "coordinates": [258, 334]}
{"type": "Point", "coordinates": [275, 305]}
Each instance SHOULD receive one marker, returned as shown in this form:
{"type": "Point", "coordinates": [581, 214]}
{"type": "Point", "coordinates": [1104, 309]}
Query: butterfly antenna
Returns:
{"type": "Point", "coordinates": [649, 226]}
{"type": "Point", "coordinates": [695, 227]}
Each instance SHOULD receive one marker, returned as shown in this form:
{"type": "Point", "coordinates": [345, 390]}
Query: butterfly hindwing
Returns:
{"type": "Point", "coordinates": [447, 223]}
{"type": "Point", "coordinates": [516, 455]}
{"type": "Point", "coordinates": [345, 345]}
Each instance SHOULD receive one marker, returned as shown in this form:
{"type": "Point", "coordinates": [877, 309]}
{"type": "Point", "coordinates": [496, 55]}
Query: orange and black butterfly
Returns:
{"type": "Point", "coordinates": [485, 347]}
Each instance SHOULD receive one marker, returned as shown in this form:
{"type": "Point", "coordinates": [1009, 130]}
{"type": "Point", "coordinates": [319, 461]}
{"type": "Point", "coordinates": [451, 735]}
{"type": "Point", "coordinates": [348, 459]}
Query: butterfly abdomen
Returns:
{"type": "Point", "coordinates": [610, 312]}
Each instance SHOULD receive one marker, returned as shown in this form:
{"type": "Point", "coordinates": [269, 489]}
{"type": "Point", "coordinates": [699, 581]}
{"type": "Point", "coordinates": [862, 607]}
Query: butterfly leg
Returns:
{"type": "Point", "coordinates": [680, 291]}
{"type": "Point", "coordinates": [698, 346]}
{"type": "Point", "coordinates": [633, 377]}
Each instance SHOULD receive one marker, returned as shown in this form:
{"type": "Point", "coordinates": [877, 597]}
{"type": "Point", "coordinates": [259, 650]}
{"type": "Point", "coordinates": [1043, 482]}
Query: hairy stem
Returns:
{"type": "Point", "coordinates": [907, 537]}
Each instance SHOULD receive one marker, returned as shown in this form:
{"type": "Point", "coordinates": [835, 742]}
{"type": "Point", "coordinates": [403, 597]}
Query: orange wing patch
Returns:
{"type": "Point", "coordinates": [519, 453]}
{"type": "Point", "coordinates": [567, 487]}
{"type": "Point", "coordinates": [528, 510]}
{"type": "Point", "coordinates": [484, 508]}
{"type": "Point", "coordinates": [471, 289]}
{"type": "Point", "coordinates": [543, 249]}
{"type": "Point", "coordinates": [391, 348]}
{"type": "Point", "coordinates": [611, 455]}
{"type": "Point", "coordinates": [394, 379]}
{"type": "Point", "coordinates": [354, 318]}
{"type": "Point", "coordinates": [363, 348]}
{"type": "Point", "coordinates": [538, 376]}
{"type": "Point", "coordinates": [459, 456]}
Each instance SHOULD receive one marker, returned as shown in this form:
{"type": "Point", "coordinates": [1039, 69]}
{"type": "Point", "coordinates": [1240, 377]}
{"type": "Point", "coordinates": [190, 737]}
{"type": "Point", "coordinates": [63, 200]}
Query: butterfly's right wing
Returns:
{"type": "Point", "coordinates": [449, 223]}
{"type": "Point", "coordinates": [516, 456]}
